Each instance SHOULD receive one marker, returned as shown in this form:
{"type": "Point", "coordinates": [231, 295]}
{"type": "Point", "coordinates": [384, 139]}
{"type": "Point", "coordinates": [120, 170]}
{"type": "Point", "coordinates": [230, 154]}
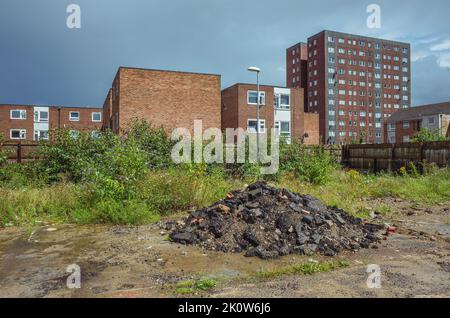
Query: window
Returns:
{"type": "Point", "coordinates": [252, 98]}
{"type": "Point", "coordinates": [405, 124]}
{"type": "Point", "coordinates": [431, 121]}
{"type": "Point", "coordinates": [40, 135]}
{"type": "Point", "coordinates": [283, 127]}
{"type": "Point", "coordinates": [74, 116]}
{"type": "Point", "coordinates": [41, 116]}
{"type": "Point", "coordinates": [252, 126]}
{"type": "Point", "coordinates": [18, 134]}
{"type": "Point", "coordinates": [405, 139]}
{"type": "Point", "coordinates": [18, 114]}
{"type": "Point", "coordinates": [282, 101]}
{"type": "Point", "coordinates": [96, 117]}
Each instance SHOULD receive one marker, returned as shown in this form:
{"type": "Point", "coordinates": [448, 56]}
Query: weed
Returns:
{"type": "Point", "coordinates": [193, 286]}
{"type": "Point", "coordinates": [306, 268]}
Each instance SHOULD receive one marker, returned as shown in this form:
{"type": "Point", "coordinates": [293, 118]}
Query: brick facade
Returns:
{"type": "Point", "coordinates": [165, 99]}
{"type": "Point", "coordinates": [58, 117]}
{"type": "Point", "coordinates": [404, 125]}
{"type": "Point", "coordinates": [376, 72]}
{"type": "Point", "coordinates": [297, 68]}
{"type": "Point", "coordinates": [236, 111]}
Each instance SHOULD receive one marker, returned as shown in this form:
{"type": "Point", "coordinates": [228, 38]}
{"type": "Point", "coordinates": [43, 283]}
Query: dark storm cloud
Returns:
{"type": "Point", "coordinates": [42, 61]}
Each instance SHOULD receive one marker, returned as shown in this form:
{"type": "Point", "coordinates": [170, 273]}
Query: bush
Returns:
{"type": "Point", "coordinates": [68, 157]}
{"type": "Point", "coordinates": [426, 135]}
{"type": "Point", "coordinates": [313, 165]}
{"type": "Point", "coordinates": [154, 142]}
{"type": "Point", "coordinates": [2, 153]}
{"type": "Point", "coordinates": [25, 175]}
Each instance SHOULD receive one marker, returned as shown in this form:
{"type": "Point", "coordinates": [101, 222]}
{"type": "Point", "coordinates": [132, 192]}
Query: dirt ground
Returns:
{"type": "Point", "coordinates": [141, 262]}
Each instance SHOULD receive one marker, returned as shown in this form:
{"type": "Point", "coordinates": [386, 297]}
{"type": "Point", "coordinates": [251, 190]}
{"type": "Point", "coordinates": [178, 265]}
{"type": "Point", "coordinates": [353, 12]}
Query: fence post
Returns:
{"type": "Point", "coordinates": [19, 152]}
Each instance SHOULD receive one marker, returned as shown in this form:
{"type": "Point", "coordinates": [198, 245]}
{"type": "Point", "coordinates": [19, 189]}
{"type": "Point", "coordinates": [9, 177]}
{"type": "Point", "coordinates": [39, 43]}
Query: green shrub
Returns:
{"type": "Point", "coordinates": [70, 157]}
{"type": "Point", "coordinates": [154, 142]}
{"type": "Point", "coordinates": [25, 175]}
{"type": "Point", "coordinates": [2, 153]}
{"type": "Point", "coordinates": [313, 165]}
{"type": "Point", "coordinates": [426, 135]}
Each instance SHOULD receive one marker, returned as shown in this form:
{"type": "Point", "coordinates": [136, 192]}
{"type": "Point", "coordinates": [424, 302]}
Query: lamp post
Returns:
{"type": "Point", "coordinates": [257, 70]}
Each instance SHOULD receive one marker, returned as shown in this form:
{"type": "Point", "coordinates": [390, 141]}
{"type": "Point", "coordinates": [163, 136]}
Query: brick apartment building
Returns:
{"type": "Point", "coordinates": [355, 83]}
{"type": "Point", "coordinates": [282, 108]}
{"type": "Point", "coordinates": [167, 99]}
{"type": "Point", "coordinates": [297, 68]}
{"type": "Point", "coordinates": [405, 124]}
{"type": "Point", "coordinates": [33, 123]}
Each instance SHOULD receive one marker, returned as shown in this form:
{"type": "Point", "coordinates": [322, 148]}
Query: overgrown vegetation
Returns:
{"type": "Point", "coordinates": [426, 135]}
{"type": "Point", "coordinates": [305, 268]}
{"type": "Point", "coordinates": [131, 179]}
{"type": "Point", "coordinates": [195, 286]}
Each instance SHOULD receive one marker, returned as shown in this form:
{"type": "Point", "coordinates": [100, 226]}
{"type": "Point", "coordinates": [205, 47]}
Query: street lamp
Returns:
{"type": "Point", "coordinates": [257, 70]}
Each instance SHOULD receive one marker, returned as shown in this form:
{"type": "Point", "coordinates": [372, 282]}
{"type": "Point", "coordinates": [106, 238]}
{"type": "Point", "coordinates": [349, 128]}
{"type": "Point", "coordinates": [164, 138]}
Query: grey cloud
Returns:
{"type": "Point", "coordinates": [42, 61]}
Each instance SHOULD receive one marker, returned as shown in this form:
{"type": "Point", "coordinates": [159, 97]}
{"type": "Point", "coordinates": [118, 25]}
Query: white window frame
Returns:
{"type": "Point", "coordinates": [37, 132]}
{"type": "Point", "coordinates": [262, 126]}
{"type": "Point", "coordinates": [262, 98]}
{"type": "Point", "coordinates": [39, 119]}
{"type": "Point", "coordinates": [96, 121]}
{"type": "Point", "coordinates": [21, 131]}
{"type": "Point", "coordinates": [72, 118]}
{"type": "Point", "coordinates": [278, 127]}
{"type": "Point", "coordinates": [405, 124]}
{"type": "Point", "coordinates": [22, 112]}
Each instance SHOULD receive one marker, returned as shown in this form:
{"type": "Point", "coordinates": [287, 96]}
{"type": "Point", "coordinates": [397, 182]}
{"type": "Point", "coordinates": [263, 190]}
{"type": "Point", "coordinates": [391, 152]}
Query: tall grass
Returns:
{"type": "Point", "coordinates": [351, 190]}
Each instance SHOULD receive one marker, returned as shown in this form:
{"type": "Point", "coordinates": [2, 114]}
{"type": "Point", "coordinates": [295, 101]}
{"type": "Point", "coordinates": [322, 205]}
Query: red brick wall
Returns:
{"type": "Point", "coordinates": [250, 111]}
{"type": "Point", "coordinates": [321, 108]}
{"type": "Point", "coordinates": [60, 119]}
{"type": "Point", "coordinates": [400, 132]}
{"type": "Point", "coordinates": [312, 129]}
{"type": "Point", "coordinates": [299, 69]}
{"type": "Point", "coordinates": [297, 113]}
{"type": "Point", "coordinates": [236, 111]}
{"type": "Point", "coordinates": [6, 123]}
{"type": "Point", "coordinates": [230, 106]}
{"type": "Point", "coordinates": [167, 99]}
{"type": "Point", "coordinates": [107, 111]}
{"type": "Point", "coordinates": [57, 119]}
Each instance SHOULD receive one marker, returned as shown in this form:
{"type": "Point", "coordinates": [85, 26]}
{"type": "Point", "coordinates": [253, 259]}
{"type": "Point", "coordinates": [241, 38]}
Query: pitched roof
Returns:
{"type": "Point", "coordinates": [420, 111]}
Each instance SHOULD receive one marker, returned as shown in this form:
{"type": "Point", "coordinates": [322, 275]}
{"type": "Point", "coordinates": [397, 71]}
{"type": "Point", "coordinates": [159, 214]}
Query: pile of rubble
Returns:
{"type": "Point", "coordinates": [267, 222]}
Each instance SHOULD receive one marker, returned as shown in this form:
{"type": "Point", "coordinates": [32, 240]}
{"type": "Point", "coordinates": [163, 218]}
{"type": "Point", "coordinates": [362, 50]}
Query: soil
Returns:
{"type": "Point", "coordinates": [141, 262]}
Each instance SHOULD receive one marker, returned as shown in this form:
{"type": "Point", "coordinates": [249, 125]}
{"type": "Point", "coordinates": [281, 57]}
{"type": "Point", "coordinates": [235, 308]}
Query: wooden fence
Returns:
{"type": "Point", "coordinates": [20, 152]}
{"type": "Point", "coordinates": [391, 157]}
{"type": "Point", "coordinates": [387, 157]}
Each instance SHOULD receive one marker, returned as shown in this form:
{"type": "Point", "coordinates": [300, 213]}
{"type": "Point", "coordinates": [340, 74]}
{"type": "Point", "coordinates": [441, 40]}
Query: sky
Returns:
{"type": "Point", "coordinates": [42, 61]}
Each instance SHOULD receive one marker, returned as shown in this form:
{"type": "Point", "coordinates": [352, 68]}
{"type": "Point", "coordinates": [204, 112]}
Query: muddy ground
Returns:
{"type": "Point", "coordinates": [141, 262]}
